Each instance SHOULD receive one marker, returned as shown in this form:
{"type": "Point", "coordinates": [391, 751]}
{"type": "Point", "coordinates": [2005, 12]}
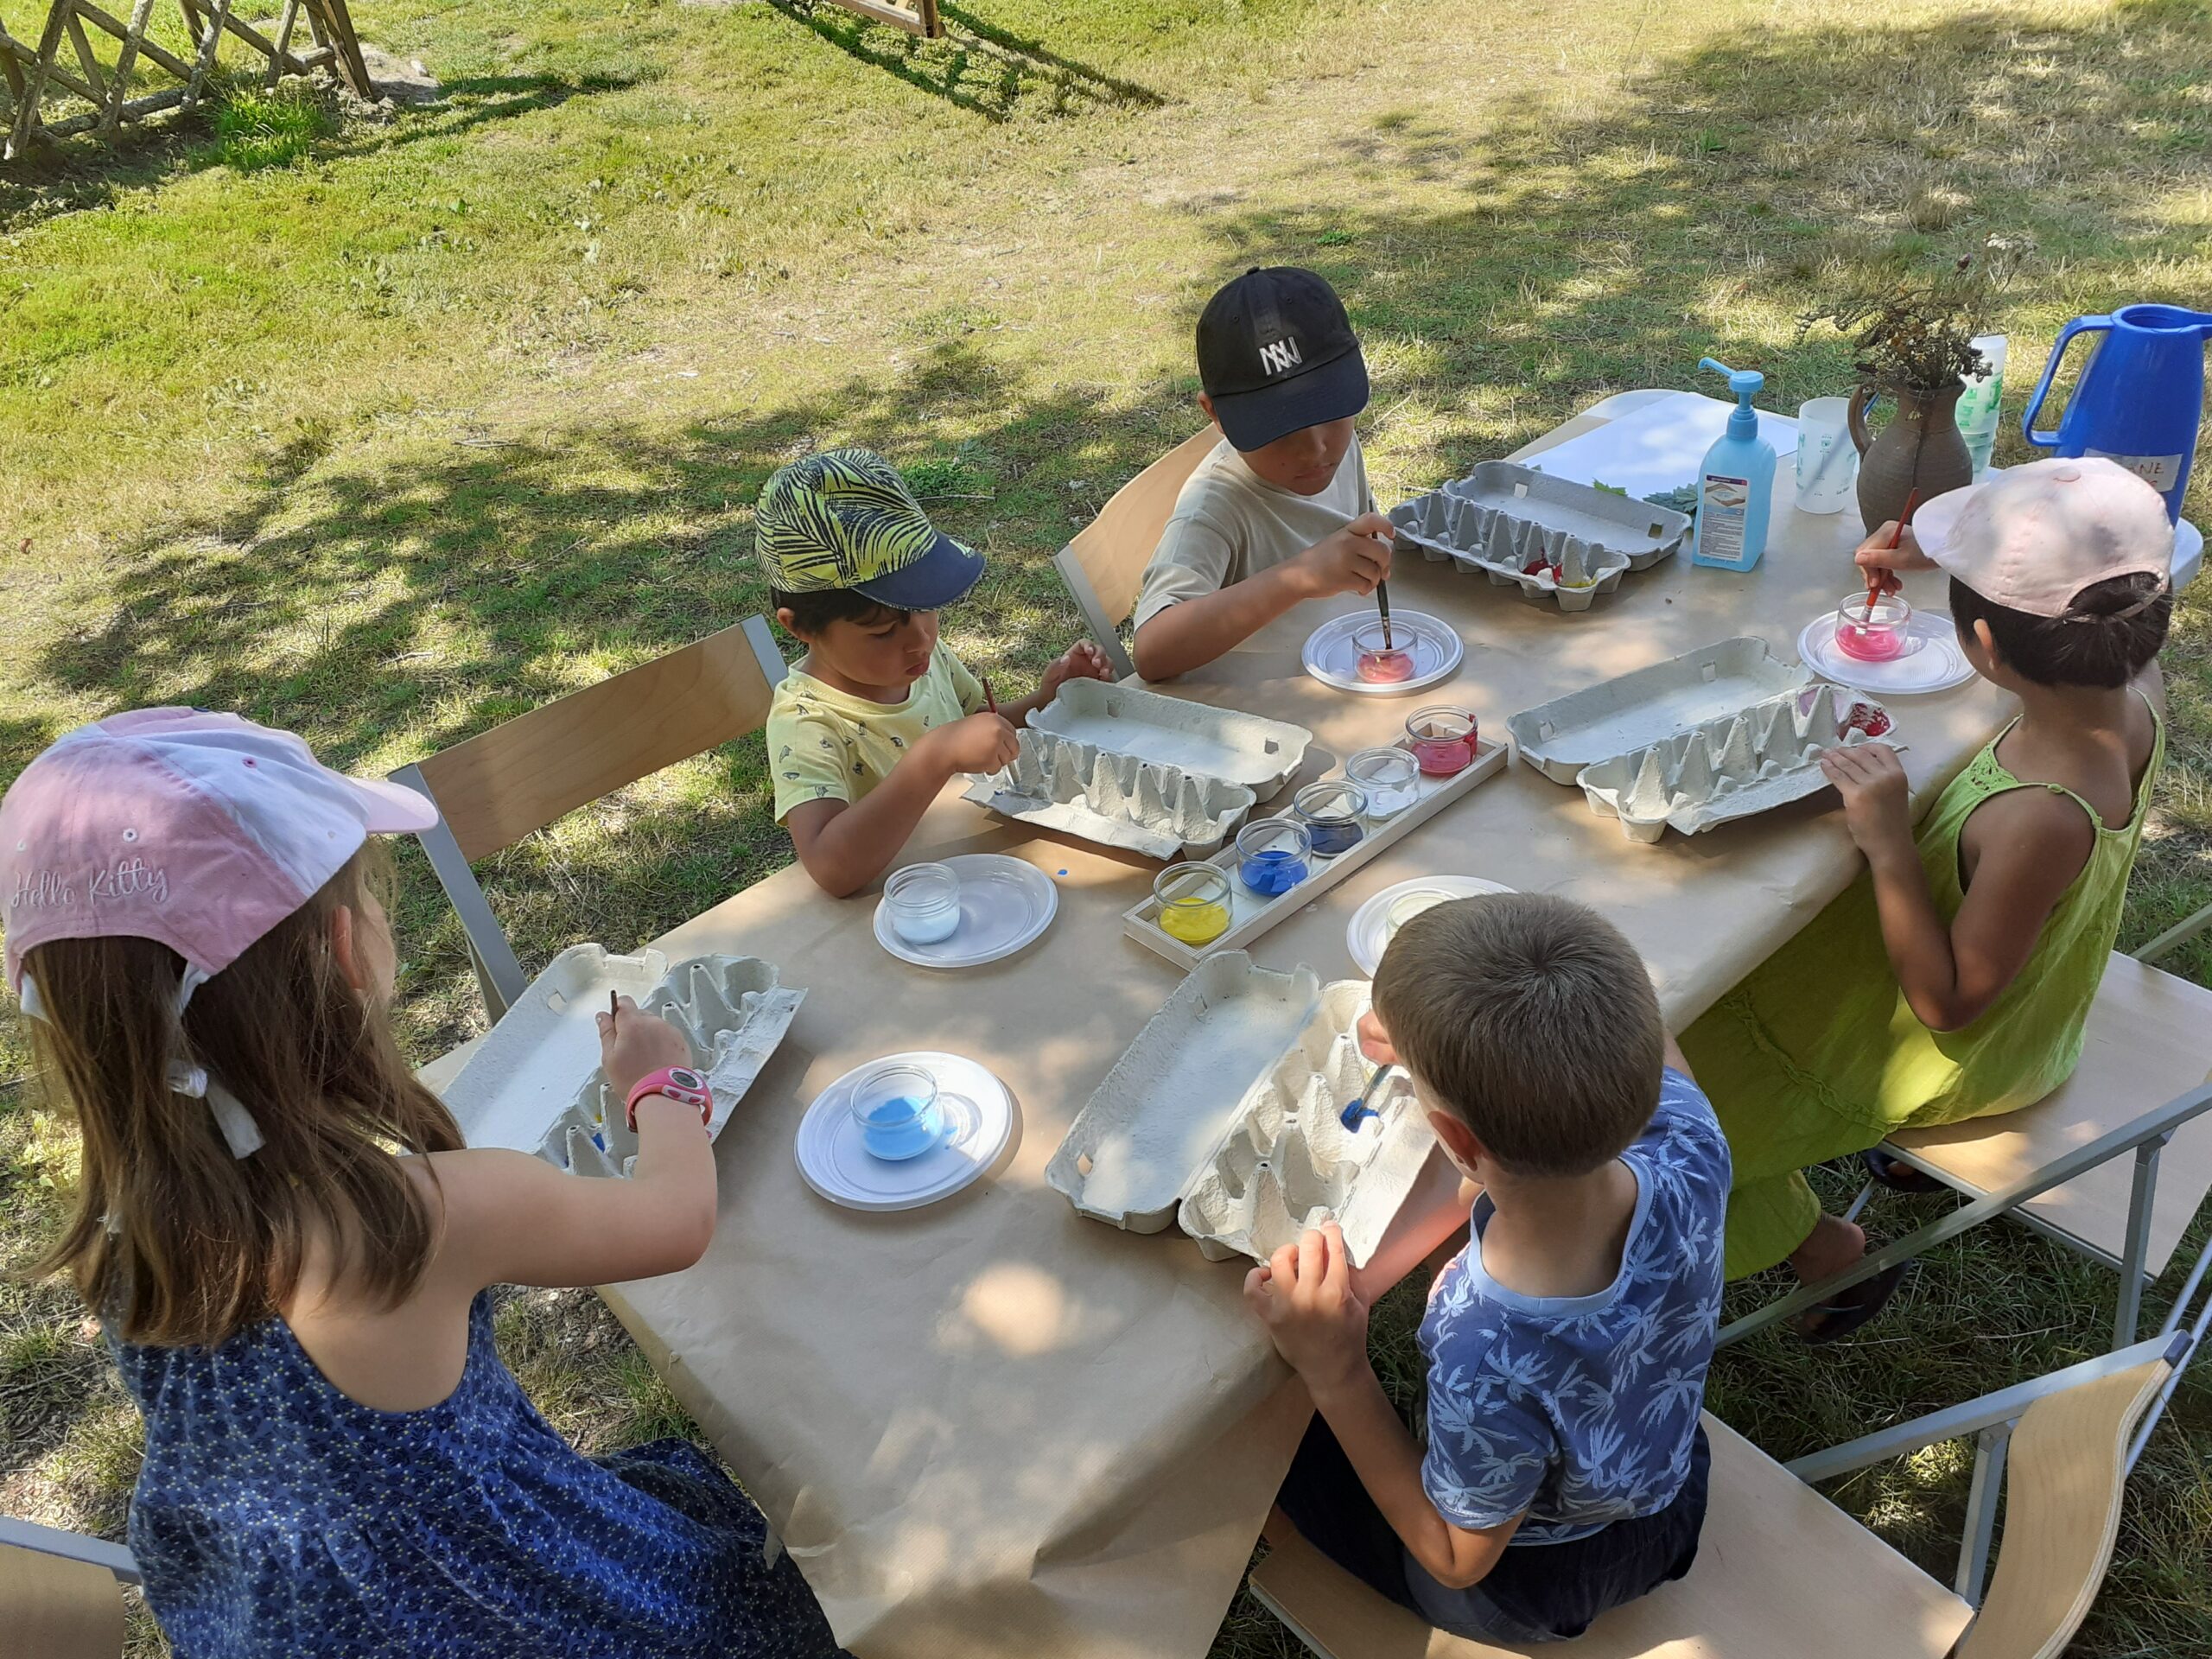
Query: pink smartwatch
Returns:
{"type": "Point", "coordinates": [678, 1082]}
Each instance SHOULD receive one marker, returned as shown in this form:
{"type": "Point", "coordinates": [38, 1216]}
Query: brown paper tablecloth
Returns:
{"type": "Point", "coordinates": [991, 1427]}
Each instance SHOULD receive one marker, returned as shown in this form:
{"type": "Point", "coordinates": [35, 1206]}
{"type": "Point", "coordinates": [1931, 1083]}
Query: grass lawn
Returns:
{"type": "Point", "coordinates": [384, 429]}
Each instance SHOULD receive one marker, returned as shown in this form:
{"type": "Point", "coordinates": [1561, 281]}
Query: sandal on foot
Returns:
{"type": "Point", "coordinates": [1854, 1305]}
{"type": "Point", "coordinates": [1885, 1169]}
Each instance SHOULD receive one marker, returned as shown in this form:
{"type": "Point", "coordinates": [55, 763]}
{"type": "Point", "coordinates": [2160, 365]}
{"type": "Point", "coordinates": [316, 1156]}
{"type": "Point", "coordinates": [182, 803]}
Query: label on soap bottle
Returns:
{"type": "Point", "coordinates": [1721, 518]}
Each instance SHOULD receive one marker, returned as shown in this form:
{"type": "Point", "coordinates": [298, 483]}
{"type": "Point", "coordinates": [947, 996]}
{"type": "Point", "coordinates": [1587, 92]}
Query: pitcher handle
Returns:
{"type": "Point", "coordinates": [1854, 416]}
{"type": "Point", "coordinates": [2080, 325]}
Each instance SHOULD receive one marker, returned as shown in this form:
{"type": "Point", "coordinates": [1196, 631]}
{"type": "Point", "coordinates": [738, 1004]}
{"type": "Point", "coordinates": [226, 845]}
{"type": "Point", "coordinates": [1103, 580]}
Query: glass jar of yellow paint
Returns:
{"type": "Point", "coordinates": [1193, 902]}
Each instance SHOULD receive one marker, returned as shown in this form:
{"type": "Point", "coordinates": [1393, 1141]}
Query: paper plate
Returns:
{"type": "Point", "coordinates": [1435, 647]}
{"type": "Point", "coordinates": [1004, 905]}
{"type": "Point", "coordinates": [978, 1111]}
{"type": "Point", "coordinates": [1365, 936]}
{"type": "Point", "coordinates": [1934, 662]}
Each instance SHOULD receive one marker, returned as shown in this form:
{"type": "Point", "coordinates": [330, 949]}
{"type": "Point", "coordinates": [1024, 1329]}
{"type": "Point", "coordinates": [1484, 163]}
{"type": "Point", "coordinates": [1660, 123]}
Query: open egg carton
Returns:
{"type": "Point", "coordinates": [1120, 800]}
{"type": "Point", "coordinates": [535, 1085]}
{"type": "Point", "coordinates": [1225, 1116]}
{"type": "Point", "coordinates": [1261, 754]}
{"type": "Point", "coordinates": [1732, 767]}
{"type": "Point", "coordinates": [1550, 538]}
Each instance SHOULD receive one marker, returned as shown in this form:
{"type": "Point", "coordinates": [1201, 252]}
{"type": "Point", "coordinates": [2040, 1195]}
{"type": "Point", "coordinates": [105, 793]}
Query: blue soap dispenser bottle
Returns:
{"type": "Point", "coordinates": [1735, 485]}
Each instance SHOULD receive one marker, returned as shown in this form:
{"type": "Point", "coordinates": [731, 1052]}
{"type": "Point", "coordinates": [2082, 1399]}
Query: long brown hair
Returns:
{"type": "Point", "coordinates": [174, 1241]}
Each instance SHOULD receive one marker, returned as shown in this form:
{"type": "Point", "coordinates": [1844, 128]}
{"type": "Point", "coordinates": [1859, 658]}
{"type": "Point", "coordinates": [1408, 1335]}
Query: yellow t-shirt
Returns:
{"type": "Point", "coordinates": [827, 745]}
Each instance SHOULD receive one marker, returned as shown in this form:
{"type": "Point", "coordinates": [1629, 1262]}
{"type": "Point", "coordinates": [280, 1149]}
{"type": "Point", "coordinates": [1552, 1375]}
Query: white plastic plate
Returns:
{"type": "Point", "coordinates": [1364, 938]}
{"type": "Point", "coordinates": [979, 1117]}
{"type": "Point", "coordinates": [1933, 661]}
{"type": "Point", "coordinates": [1004, 905]}
{"type": "Point", "coordinates": [1435, 647]}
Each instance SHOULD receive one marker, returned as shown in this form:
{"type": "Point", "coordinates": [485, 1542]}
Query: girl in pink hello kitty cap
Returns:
{"type": "Point", "coordinates": [289, 1247]}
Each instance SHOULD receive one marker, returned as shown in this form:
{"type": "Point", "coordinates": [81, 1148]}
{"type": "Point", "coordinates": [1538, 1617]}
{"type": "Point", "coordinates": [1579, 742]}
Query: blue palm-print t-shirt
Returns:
{"type": "Point", "coordinates": [1582, 1409]}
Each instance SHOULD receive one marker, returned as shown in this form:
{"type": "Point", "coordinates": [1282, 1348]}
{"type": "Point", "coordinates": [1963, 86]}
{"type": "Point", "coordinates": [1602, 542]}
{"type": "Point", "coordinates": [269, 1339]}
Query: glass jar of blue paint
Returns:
{"type": "Point", "coordinates": [1271, 855]}
{"type": "Point", "coordinates": [1333, 813]}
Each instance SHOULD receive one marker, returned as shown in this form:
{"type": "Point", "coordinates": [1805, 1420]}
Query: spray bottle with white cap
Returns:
{"type": "Point", "coordinates": [1735, 485]}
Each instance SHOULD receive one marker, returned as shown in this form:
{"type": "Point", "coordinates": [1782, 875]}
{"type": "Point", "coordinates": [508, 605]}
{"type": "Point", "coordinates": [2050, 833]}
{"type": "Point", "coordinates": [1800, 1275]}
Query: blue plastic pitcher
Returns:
{"type": "Point", "coordinates": [2140, 395]}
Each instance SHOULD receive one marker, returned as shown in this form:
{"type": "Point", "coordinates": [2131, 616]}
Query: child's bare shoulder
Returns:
{"type": "Point", "coordinates": [2039, 828]}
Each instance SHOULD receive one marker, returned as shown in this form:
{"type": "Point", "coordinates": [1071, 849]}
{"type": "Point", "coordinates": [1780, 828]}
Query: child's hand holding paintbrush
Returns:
{"type": "Point", "coordinates": [1891, 549]}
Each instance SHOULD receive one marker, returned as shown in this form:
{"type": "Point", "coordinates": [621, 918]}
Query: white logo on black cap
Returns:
{"type": "Point", "coordinates": [1278, 356]}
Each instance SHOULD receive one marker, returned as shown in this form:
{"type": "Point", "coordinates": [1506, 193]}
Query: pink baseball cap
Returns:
{"type": "Point", "coordinates": [2033, 538]}
{"type": "Point", "coordinates": [200, 830]}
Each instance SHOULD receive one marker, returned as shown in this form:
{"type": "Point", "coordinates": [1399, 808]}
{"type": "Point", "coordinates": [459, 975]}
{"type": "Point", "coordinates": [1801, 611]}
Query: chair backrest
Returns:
{"type": "Point", "coordinates": [2067, 1469]}
{"type": "Point", "coordinates": [57, 1608]}
{"type": "Point", "coordinates": [501, 785]}
{"type": "Point", "coordinates": [1113, 549]}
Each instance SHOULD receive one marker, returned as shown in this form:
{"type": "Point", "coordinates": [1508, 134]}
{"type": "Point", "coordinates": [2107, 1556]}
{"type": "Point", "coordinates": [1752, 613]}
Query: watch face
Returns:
{"type": "Point", "coordinates": [684, 1077]}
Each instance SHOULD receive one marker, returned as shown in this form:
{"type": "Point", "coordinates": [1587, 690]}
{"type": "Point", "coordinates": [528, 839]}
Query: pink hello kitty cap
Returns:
{"type": "Point", "coordinates": [200, 830]}
{"type": "Point", "coordinates": [2033, 538]}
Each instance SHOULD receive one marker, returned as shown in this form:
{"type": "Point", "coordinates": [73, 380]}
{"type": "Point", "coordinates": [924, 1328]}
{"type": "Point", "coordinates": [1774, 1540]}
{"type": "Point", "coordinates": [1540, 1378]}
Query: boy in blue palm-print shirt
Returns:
{"type": "Point", "coordinates": [1567, 1343]}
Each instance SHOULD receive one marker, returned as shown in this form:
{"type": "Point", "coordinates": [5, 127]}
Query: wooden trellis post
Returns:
{"type": "Point", "coordinates": [31, 73]}
{"type": "Point", "coordinates": [921, 20]}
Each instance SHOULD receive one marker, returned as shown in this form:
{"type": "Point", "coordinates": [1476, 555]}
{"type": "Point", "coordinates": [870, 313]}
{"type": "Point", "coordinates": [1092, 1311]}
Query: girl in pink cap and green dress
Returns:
{"type": "Point", "coordinates": [1954, 978]}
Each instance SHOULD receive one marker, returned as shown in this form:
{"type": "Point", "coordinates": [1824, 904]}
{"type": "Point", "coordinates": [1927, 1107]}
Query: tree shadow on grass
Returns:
{"type": "Point", "coordinates": [978, 66]}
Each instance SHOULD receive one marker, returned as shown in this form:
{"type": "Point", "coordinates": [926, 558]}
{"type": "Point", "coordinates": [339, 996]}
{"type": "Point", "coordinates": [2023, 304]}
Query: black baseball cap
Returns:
{"type": "Point", "coordinates": [1277, 354]}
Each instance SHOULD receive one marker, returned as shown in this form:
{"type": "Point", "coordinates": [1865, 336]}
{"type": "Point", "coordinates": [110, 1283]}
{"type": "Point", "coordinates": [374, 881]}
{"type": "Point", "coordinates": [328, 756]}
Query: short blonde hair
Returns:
{"type": "Point", "coordinates": [1534, 1021]}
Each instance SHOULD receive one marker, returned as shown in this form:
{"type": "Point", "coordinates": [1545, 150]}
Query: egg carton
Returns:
{"type": "Point", "coordinates": [1549, 538]}
{"type": "Point", "coordinates": [1261, 754]}
{"type": "Point", "coordinates": [1224, 1115]}
{"type": "Point", "coordinates": [1634, 710]}
{"type": "Point", "coordinates": [1159, 810]}
{"type": "Point", "coordinates": [534, 1083]}
{"type": "Point", "coordinates": [1731, 767]}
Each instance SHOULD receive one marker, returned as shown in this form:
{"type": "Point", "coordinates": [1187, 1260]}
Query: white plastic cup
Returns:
{"type": "Point", "coordinates": [1828, 460]}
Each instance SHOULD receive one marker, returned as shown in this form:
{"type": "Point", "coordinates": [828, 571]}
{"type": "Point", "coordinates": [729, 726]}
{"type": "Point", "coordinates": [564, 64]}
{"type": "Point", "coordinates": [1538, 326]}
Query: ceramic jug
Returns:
{"type": "Point", "coordinates": [1920, 449]}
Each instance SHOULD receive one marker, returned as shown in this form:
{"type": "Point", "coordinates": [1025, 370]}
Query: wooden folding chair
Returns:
{"type": "Point", "coordinates": [60, 1595]}
{"type": "Point", "coordinates": [1781, 1570]}
{"type": "Point", "coordinates": [2059, 1166]}
{"type": "Point", "coordinates": [507, 783]}
{"type": "Point", "coordinates": [1103, 566]}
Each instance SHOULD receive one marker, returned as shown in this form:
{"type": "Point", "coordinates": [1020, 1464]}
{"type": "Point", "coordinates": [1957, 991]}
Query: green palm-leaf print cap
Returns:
{"type": "Point", "coordinates": [839, 519]}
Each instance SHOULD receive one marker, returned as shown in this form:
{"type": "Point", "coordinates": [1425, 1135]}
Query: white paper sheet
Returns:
{"type": "Point", "coordinates": [1659, 446]}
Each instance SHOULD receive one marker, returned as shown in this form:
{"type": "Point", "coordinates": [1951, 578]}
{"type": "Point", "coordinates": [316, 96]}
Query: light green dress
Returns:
{"type": "Point", "coordinates": [1817, 1054]}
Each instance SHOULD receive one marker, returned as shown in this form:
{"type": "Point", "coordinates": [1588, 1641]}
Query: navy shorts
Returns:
{"type": "Point", "coordinates": [1536, 1593]}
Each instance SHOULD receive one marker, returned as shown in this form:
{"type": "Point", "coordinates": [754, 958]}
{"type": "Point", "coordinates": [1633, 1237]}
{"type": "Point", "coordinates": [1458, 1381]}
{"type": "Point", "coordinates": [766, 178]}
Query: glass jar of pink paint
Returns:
{"type": "Point", "coordinates": [1442, 739]}
{"type": "Point", "coordinates": [1871, 630]}
{"type": "Point", "coordinates": [1381, 655]}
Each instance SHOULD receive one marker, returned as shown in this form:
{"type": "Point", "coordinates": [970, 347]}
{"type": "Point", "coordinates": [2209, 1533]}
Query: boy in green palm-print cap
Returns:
{"type": "Point", "coordinates": [869, 726]}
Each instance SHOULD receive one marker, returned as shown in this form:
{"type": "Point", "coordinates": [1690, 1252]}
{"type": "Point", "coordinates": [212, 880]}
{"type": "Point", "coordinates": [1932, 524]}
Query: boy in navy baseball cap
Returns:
{"type": "Point", "coordinates": [1281, 511]}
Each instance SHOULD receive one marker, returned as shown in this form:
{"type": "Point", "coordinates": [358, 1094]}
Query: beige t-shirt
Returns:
{"type": "Point", "coordinates": [1230, 524]}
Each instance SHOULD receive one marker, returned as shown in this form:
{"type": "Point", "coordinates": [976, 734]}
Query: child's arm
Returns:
{"type": "Point", "coordinates": [1194, 632]}
{"type": "Point", "coordinates": [2027, 846]}
{"type": "Point", "coordinates": [1305, 1297]}
{"type": "Point", "coordinates": [510, 1218]}
{"type": "Point", "coordinates": [845, 845]}
{"type": "Point", "coordinates": [1081, 661]}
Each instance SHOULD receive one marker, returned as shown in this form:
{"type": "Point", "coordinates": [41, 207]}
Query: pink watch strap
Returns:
{"type": "Point", "coordinates": [678, 1082]}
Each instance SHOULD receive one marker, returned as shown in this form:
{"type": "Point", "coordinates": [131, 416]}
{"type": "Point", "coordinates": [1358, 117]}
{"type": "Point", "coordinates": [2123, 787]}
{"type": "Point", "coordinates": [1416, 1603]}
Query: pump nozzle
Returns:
{"type": "Point", "coordinates": [1742, 384]}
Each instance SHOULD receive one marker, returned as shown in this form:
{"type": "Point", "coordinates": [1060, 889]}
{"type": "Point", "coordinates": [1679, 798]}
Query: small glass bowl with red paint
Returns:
{"type": "Point", "coordinates": [1381, 656]}
{"type": "Point", "coordinates": [1442, 739]}
{"type": "Point", "coordinates": [1873, 629]}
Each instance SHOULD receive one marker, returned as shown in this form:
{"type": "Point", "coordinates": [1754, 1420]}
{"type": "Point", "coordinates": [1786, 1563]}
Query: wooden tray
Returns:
{"type": "Point", "coordinates": [1249, 915]}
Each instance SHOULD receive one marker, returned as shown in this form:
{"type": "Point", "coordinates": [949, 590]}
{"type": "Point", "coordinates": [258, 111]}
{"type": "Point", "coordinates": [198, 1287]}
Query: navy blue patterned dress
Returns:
{"type": "Point", "coordinates": [274, 1517]}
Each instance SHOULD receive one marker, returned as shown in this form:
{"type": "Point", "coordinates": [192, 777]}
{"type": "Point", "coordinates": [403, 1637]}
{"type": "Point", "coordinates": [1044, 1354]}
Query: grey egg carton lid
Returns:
{"type": "Point", "coordinates": [534, 1083]}
{"type": "Point", "coordinates": [1734, 766]}
{"type": "Point", "coordinates": [1517, 523]}
{"type": "Point", "coordinates": [1120, 800]}
{"type": "Point", "coordinates": [1635, 710]}
{"type": "Point", "coordinates": [1224, 1115]}
{"type": "Point", "coordinates": [1260, 753]}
